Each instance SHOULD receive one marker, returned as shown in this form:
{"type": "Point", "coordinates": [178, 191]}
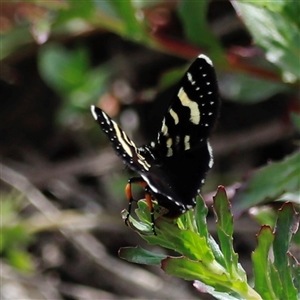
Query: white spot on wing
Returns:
{"type": "Point", "coordinates": [208, 60]}
{"type": "Point", "coordinates": [152, 187]}
{"type": "Point", "coordinates": [187, 145]}
{"type": "Point", "coordinates": [211, 161]}
{"type": "Point", "coordinates": [164, 128]}
{"type": "Point", "coordinates": [192, 105]}
{"type": "Point", "coordinates": [107, 118]}
{"type": "Point", "coordinates": [170, 152]}
{"type": "Point", "coordinates": [123, 143]}
{"type": "Point", "coordinates": [93, 112]}
{"type": "Point", "coordinates": [190, 78]}
{"type": "Point", "coordinates": [174, 116]}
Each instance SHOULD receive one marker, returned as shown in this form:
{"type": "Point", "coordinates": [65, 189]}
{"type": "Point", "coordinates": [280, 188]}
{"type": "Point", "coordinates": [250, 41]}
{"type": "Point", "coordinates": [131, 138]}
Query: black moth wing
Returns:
{"type": "Point", "coordinates": [136, 159]}
{"type": "Point", "coordinates": [182, 149]}
{"type": "Point", "coordinates": [122, 144]}
{"type": "Point", "coordinates": [193, 110]}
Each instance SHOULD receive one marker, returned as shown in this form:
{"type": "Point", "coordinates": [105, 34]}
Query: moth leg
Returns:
{"type": "Point", "coordinates": [150, 206]}
{"type": "Point", "coordinates": [128, 191]}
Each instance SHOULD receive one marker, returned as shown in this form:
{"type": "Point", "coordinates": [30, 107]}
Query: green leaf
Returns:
{"type": "Point", "coordinates": [193, 15]}
{"type": "Point", "coordinates": [289, 9]}
{"type": "Point", "coordinates": [16, 39]}
{"type": "Point", "coordinates": [63, 70]}
{"type": "Point", "coordinates": [193, 270]}
{"type": "Point", "coordinates": [204, 288]}
{"type": "Point", "coordinates": [69, 74]}
{"type": "Point", "coordinates": [200, 216]}
{"type": "Point", "coordinates": [77, 10]}
{"type": "Point", "coordinates": [261, 265]}
{"type": "Point", "coordinates": [225, 230]}
{"type": "Point", "coordinates": [171, 77]}
{"type": "Point", "coordinates": [13, 237]}
{"type": "Point", "coordinates": [21, 260]}
{"type": "Point", "coordinates": [201, 211]}
{"type": "Point", "coordinates": [141, 256]}
{"type": "Point", "coordinates": [273, 273]}
{"type": "Point", "coordinates": [239, 87]}
{"type": "Point", "coordinates": [169, 235]}
{"type": "Point", "coordinates": [296, 120]}
{"type": "Point", "coordinates": [197, 261]}
{"type": "Point", "coordinates": [129, 14]}
{"type": "Point", "coordinates": [286, 226]}
{"type": "Point", "coordinates": [295, 266]}
{"type": "Point", "coordinates": [264, 215]}
{"type": "Point", "coordinates": [276, 33]}
{"type": "Point", "coordinates": [269, 183]}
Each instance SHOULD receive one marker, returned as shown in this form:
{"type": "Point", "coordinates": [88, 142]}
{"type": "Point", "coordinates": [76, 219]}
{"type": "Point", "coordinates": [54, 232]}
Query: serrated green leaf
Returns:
{"type": "Point", "coordinates": [275, 281]}
{"type": "Point", "coordinates": [275, 33]}
{"type": "Point", "coordinates": [286, 223]}
{"type": "Point", "coordinates": [192, 270]}
{"type": "Point", "coordinates": [185, 242]}
{"type": "Point", "coordinates": [225, 230]}
{"type": "Point", "coordinates": [269, 183]}
{"type": "Point", "coordinates": [200, 216]}
{"type": "Point", "coordinates": [261, 264]}
{"type": "Point", "coordinates": [201, 211]}
{"type": "Point", "coordinates": [222, 211]}
{"type": "Point", "coordinates": [295, 266]}
{"type": "Point", "coordinates": [219, 257]}
{"type": "Point", "coordinates": [204, 288]}
{"type": "Point", "coordinates": [264, 215]}
{"type": "Point", "coordinates": [141, 256]}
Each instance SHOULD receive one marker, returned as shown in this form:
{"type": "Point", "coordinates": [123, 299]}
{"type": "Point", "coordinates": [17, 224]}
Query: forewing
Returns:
{"type": "Point", "coordinates": [122, 144]}
{"type": "Point", "coordinates": [193, 111]}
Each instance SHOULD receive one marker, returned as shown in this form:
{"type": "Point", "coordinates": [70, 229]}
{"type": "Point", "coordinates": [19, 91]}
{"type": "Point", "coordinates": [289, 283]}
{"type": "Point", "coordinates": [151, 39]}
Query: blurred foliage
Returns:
{"type": "Point", "coordinates": [193, 15]}
{"type": "Point", "coordinates": [133, 20]}
{"type": "Point", "coordinates": [13, 236]}
{"type": "Point", "coordinates": [69, 73]}
{"type": "Point", "coordinates": [277, 181]}
{"type": "Point", "coordinates": [275, 27]}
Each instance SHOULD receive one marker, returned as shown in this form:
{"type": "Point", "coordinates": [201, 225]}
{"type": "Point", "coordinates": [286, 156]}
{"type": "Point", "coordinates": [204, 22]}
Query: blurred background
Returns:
{"type": "Point", "coordinates": [62, 186]}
